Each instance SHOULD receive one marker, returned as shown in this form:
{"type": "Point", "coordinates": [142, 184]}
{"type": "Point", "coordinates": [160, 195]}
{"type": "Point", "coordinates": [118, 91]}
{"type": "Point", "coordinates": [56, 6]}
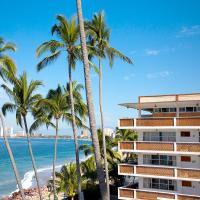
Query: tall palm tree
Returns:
{"type": "Point", "coordinates": [23, 100]}
{"type": "Point", "coordinates": [91, 113]}
{"type": "Point", "coordinates": [56, 106]}
{"type": "Point", "coordinates": [8, 70]}
{"type": "Point", "coordinates": [100, 33]}
{"type": "Point", "coordinates": [68, 33]}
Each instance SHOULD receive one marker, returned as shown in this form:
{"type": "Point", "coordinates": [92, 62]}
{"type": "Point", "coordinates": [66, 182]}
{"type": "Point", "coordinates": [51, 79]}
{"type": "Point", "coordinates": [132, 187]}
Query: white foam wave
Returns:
{"type": "Point", "coordinates": [44, 175]}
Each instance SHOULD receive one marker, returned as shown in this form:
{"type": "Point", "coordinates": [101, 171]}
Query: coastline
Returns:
{"type": "Point", "coordinates": [29, 183]}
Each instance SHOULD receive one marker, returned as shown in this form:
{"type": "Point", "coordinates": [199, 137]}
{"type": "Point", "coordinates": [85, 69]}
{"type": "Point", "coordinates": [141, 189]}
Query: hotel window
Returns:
{"type": "Point", "coordinates": [159, 136]}
{"type": "Point", "coordinates": [185, 133]}
{"type": "Point", "coordinates": [189, 109]}
{"type": "Point", "coordinates": [186, 184]}
{"type": "Point", "coordinates": [182, 109]}
{"type": "Point", "coordinates": [172, 109]}
{"type": "Point", "coordinates": [162, 184]}
{"type": "Point", "coordinates": [165, 109]}
{"type": "Point", "coordinates": [159, 160]}
{"type": "Point", "coordinates": [185, 159]}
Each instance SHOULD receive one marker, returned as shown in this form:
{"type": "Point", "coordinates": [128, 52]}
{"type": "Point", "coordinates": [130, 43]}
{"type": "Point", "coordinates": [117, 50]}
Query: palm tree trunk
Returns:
{"type": "Point", "coordinates": [54, 160]}
{"type": "Point", "coordinates": [74, 129]}
{"type": "Point", "coordinates": [102, 128]}
{"type": "Point", "coordinates": [17, 177]}
{"type": "Point", "coordinates": [32, 157]}
{"type": "Point", "coordinates": [90, 105]}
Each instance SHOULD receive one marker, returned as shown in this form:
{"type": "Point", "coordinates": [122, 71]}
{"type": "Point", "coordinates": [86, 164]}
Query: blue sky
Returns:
{"type": "Point", "coordinates": [162, 37]}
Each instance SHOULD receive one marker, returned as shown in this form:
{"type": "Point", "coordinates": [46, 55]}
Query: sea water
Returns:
{"type": "Point", "coordinates": [43, 153]}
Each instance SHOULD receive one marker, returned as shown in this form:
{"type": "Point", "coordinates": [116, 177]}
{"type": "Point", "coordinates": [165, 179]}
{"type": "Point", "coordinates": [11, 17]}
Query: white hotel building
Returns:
{"type": "Point", "coordinates": [168, 148]}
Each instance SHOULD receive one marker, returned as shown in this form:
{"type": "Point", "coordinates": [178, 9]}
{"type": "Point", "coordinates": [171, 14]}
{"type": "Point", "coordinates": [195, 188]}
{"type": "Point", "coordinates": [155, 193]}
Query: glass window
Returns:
{"type": "Point", "coordinates": [189, 109]}
{"type": "Point", "coordinates": [186, 184]}
{"type": "Point", "coordinates": [185, 159]}
{"type": "Point", "coordinates": [172, 109]}
{"type": "Point", "coordinates": [198, 109]}
{"type": "Point", "coordinates": [165, 109]}
{"type": "Point", "coordinates": [185, 133]}
{"type": "Point", "coordinates": [182, 109]}
{"type": "Point", "coordinates": [163, 184]}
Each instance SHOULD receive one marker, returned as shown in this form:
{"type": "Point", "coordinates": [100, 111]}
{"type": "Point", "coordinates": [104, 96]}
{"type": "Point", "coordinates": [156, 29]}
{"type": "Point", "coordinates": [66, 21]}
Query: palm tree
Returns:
{"type": "Point", "coordinates": [125, 135]}
{"type": "Point", "coordinates": [23, 100]}
{"type": "Point", "coordinates": [55, 106]}
{"type": "Point", "coordinates": [68, 33]}
{"type": "Point", "coordinates": [7, 66]}
{"type": "Point", "coordinates": [8, 69]}
{"type": "Point", "coordinates": [88, 169]}
{"type": "Point", "coordinates": [92, 120]}
{"type": "Point", "coordinates": [100, 33]}
{"type": "Point", "coordinates": [66, 180]}
{"type": "Point", "coordinates": [111, 154]}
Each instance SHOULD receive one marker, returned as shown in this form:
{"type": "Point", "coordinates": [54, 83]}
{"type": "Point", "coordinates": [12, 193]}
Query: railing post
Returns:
{"type": "Point", "coordinates": [175, 148]}
{"type": "Point", "coordinates": [176, 196]}
{"type": "Point", "coordinates": [134, 196]}
{"type": "Point", "coordinates": [135, 122]}
{"type": "Point", "coordinates": [134, 146]}
{"type": "Point", "coordinates": [174, 121]}
{"type": "Point", "coordinates": [175, 172]}
{"type": "Point", "coordinates": [134, 169]}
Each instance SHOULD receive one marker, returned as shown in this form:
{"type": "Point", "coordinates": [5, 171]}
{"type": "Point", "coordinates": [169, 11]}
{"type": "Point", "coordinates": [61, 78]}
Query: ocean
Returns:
{"type": "Point", "coordinates": [43, 152]}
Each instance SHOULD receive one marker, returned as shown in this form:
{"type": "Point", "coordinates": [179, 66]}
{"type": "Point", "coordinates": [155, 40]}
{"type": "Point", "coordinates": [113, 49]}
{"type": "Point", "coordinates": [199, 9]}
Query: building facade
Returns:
{"type": "Point", "coordinates": [9, 131]}
{"type": "Point", "coordinates": [168, 148]}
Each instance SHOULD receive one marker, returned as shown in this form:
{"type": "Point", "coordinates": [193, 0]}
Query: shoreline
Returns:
{"type": "Point", "coordinates": [29, 182]}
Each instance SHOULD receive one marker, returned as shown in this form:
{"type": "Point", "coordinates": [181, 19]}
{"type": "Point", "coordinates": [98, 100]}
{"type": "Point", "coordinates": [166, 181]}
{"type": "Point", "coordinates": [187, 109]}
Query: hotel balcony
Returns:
{"type": "Point", "coordinates": [160, 122]}
{"type": "Point", "coordinates": [130, 193]}
{"type": "Point", "coordinates": [159, 171]}
{"type": "Point", "coordinates": [158, 147]}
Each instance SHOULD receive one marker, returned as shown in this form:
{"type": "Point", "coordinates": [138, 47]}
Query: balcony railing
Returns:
{"type": "Point", "coordinates": [133, 146]}
{"type": "Point", "coordinates": [159, 121]}
{"type": "Point", "coordinates": [140, 170]}
{"type": "Point", "coordinates": [129, 193]}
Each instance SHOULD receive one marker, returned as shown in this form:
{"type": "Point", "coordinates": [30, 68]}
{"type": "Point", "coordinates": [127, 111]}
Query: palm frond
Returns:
{"type": "Point", "coordinates": [8, 107]}
{"type": "Point", "coordinates": [51, 46]}
{"type": "Point", "coordinates": [48, 60]}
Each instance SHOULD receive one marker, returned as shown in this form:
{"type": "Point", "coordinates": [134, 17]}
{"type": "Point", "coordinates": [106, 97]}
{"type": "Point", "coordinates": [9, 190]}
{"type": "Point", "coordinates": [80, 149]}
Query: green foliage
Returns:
{"type": "Point", "coordinates": [99, 36]}
{"type": "Point", "coordinates": [68, 34]}
{"type": "Point", "coordinates": [66, 180]}
{"type": "Point", "coordinates": [112, 155]}
{"type": "Point", "coordinates": [23, 97]}
{"type": "Point", "coordinates": [7, 65]}
{"type": "Point", "coordinates": [56, 106]}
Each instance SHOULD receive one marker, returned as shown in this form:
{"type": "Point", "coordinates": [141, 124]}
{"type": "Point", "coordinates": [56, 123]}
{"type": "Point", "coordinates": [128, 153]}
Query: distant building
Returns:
{"type": "Point", "coordinates": [109, 132]}
{"type": "Point", "coordinates": [19, 134]}
{"type": "Point", "coordinates": [84, 134]}
{"type": "Point", "coordinates": [9, 131]}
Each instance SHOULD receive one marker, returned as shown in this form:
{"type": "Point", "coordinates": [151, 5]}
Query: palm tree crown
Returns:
{"type": "Point", "coordinates": [23, 97]}
{"type": "Point", "coordinates": [68, 33]}
{"type": "Point", "coordinates": [7, 65]}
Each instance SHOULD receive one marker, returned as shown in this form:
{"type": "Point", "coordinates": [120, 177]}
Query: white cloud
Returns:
{"type": "Point", "coordinates": [161, 74]}
{"type": "Point", "coordinates": [152, 52]}
{"type": "Point", "coordinates": [128, 77]}
{"type": "Point", "coordinates": [189, 31]}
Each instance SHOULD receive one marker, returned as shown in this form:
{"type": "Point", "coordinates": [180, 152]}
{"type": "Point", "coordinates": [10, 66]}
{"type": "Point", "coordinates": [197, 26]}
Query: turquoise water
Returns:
{"type": "Point", "coordinates": [43, 152]}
